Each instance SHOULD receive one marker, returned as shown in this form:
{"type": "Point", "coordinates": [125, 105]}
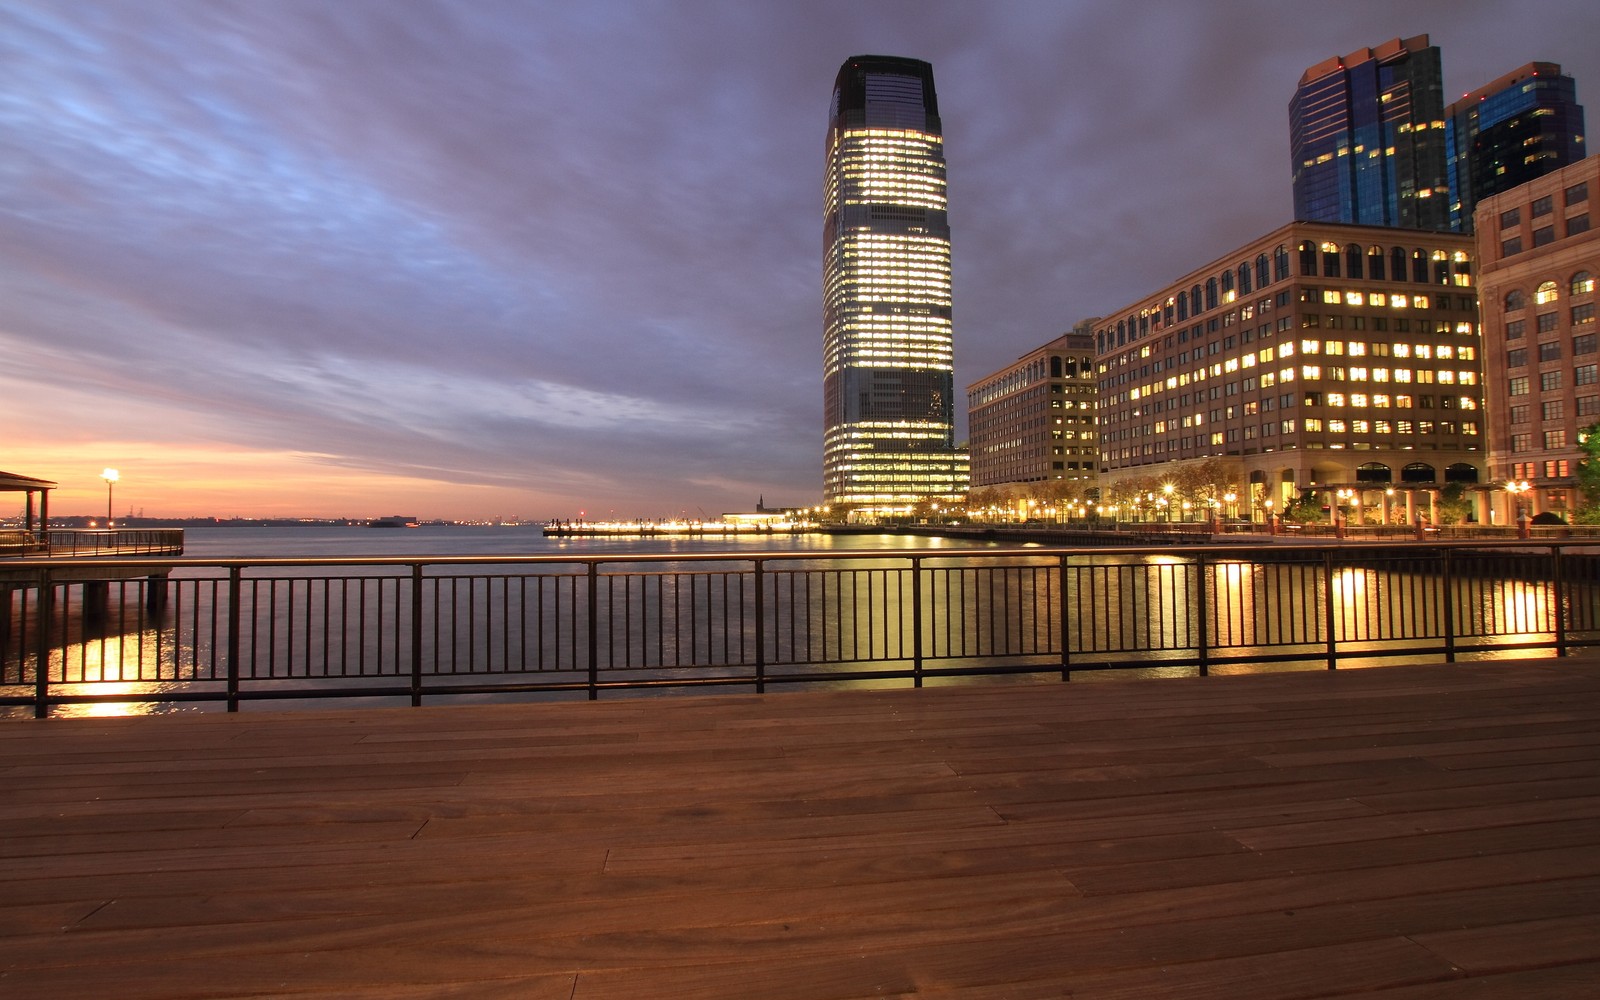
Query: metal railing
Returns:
{"type": "Point", "coordinates": [114, 541]}
{"type": "Point", "coordinates": [240, 630]}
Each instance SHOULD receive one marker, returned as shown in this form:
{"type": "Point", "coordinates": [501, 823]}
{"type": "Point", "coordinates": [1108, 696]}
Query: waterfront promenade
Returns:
{"type": "Point", "coordinates": [1403, 832]}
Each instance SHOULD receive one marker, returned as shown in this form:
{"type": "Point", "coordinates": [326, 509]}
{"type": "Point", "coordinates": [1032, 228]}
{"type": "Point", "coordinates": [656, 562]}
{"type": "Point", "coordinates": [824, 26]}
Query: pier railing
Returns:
{"type": "Point", "coordinates": [231, 631]}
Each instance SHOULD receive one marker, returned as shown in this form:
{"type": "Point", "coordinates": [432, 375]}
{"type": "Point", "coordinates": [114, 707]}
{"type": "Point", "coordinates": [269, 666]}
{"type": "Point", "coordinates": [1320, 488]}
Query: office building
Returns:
{"type": "Point", "coordinates": [1541, 253]}
{"type": "Point", "coordinates": [888, 369]}
{"type": "Point", "coordinates": [1321, 357]}
{"type": "Point", "coordinates": [1032, 422]}
{"type": "Point", "coordinates": [1367, 138]}
{"type": "Point", "coordinates": [1509, 132]}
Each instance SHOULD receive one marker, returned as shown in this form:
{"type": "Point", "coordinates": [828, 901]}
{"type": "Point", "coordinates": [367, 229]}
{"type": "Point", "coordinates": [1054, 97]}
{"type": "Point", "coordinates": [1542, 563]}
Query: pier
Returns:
{"type": "Point", "coordinates": [1406, 832]}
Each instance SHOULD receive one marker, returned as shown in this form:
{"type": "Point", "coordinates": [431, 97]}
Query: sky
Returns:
{"type": "Point", "coordinates": [484, 259]}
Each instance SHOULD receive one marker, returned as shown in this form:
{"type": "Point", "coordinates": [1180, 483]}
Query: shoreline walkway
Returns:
{"type": "Point", "coordinates": [1402, 832]}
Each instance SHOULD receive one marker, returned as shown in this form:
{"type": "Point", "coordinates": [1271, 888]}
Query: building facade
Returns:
{"type": "Point", "coordinates": [1541, 253]}
{"type": "Point", "coordinates": [1321, 357]}
{"type": "Point", "coordinates": [1511, 131]}
{"type": "Point", "coordinates": [888, 362]}
{"type": "Point", "coordinates": [1033, 422]}
{"type": "Point", "coordinates": [1367, 138]}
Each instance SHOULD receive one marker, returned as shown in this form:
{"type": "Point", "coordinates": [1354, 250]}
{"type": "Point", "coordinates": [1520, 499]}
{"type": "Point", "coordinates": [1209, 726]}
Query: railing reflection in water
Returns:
{"type": "Point", "coordinates": [412, 629]}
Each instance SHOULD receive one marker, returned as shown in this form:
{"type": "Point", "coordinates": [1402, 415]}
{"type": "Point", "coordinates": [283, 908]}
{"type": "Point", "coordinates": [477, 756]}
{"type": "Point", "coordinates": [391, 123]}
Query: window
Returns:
{"type": "Point", "coordinates": [1544, 235]}
{"type": "Point", "coordinates": [1583, 345]}
{"type": "Point", "coordinates": [1578, 224]}
{"type": "Point", "coordinates": [1518, 386]}
{"type": "Point", "coordinates": [1521, 442]}
{"type": "Point", "coordinates": [1515, 300]}
{"type": "Point", "coordinates": [1511, 247]}
{"type": "Point", "coordinates": [1588, 406]}
{"type": "Point", "coordinates": [1515, 329]}
{"type": "Point", "coordinates": [1555, 439]}
{"type": "Point", "coordinates": [1555, 409]}
{"type": "Point", "coordinates": [1517, 358]}
{"type": "Point", "coordinates": [1582, 283]}
{"type": "Point", "coordinates": [1585, 375]}
{"type": "Point", "coordinates": [1549, 381]}
{"type": "Point", "coordinates": [1550, 351]}
{"type": "Point", "coordinates": [1578, 192]}
{"type": "Point", "coordinates": [1556, 469]}
{"type": "Point", "coordinates": [1519, 414]}
{"type": "Point", "coordinates": [1510, 217]}
{"type": "Point", "coordinates": [1583, 315]}
{"type": "Point", "coordinates": [1547, 322]}
{"type": "Point", "coordinates": [1542, 206]}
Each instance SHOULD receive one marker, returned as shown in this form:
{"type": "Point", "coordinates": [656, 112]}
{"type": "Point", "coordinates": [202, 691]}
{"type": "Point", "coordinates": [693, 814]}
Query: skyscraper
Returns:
{"type": "Point", "coordinates": [888, 372]}
{"type": "Point", "coordinates": [1522, 126]}
{"type": "Point", "coordinates": [1367, 138]}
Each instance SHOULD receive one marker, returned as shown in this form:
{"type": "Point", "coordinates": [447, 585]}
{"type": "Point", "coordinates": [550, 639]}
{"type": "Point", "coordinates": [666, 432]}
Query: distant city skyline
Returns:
{"type": "Point", "coordinates": [479, 260]}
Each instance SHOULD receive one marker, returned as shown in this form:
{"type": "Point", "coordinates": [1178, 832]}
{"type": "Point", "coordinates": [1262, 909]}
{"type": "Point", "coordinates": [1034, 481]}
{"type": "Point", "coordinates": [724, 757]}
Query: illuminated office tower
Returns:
{"type": "Point", "coordinates": [888, 374]}
{"type": "Point", "coordinates": [1516, 129]}
{"type": "Point", "coordinates": [1367, 138]}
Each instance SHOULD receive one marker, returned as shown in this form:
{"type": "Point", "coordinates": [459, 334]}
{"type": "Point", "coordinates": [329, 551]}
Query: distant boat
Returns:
{"type": "Point", "coordinates": [395, 521]}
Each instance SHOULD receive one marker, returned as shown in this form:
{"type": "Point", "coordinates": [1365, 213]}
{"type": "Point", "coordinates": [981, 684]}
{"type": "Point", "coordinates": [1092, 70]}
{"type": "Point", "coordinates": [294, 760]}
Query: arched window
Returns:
{"type": "Point", "coordinates": [1263, 271]}
{"type": "Point", "coordinates": [1375, 262]}
{"type": "Point", "coordinates": [1352, 261]}
{"type": "Point", "coordinates": [1515, 299]}
{"type": "Point", "coordinates": [1441, 268]}
{"type": "Point", "coordinates": [1461, 472]}
{"type": "Point", "coordinates": [1227, 283]}
{"type": "Point", "coordinates": [1546, 294]}
{"type": "Point", "coordinates": [1244, 279]}
{"type": "Point", "coordinates": [1330, 260]}
{"type": "Point", "coordinates": [1308, 259]}
{"type": "Point", "coordinates": [1397, 263]}
{"type": "Point", "coordinates": [1280, 263]}
{"type": "Point", "coordinates": [1419, 266]}
{"type": "Point", "coordinates": [1582, 283]}
{"type": "Point", "coordinates": [1211, 293]}
{"type": "Point", "coordinates": [1183, 306]}
{"type": "Point", "coordinates": [1194, 301]}
{"type": "Point", "coordinates": [1417, 472]}
{"type": "Point", "coordinates": [1374, 472]}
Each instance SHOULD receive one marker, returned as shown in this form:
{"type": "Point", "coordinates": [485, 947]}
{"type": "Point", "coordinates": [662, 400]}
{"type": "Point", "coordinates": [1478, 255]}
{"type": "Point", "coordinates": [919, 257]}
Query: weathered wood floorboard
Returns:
{"type": "Point", "coordinates": [1401, 833]}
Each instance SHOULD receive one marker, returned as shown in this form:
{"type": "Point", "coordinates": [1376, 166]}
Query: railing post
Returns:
{"type": "Point", "coordinates": [594, 630]}
{"type": "Point", "coordinates": [761, 628]}
{"type": "Point", "coordinates": [234, 597]}
{"type": "Point", "coordinates": [1448, 576]}
{"type": "Point", "coordinates": [1066, 629]}
{"type": "Point", "coordinates": [416, 635]}
{"type": "Point", "coordinates": [41, 647]}
{"type": "Point", "coordinates": [1205, 622]}
{"type": "Point", "coordinates": [916, 621]}
{"type": "Point", "coordinates": [1330, 620]}
{"type": "Point", "coordinates": [1558, 596]}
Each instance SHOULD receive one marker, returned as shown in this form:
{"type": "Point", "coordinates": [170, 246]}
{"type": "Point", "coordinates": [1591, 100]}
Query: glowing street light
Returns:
{"type": "Point", "coordinates": [110, 476]}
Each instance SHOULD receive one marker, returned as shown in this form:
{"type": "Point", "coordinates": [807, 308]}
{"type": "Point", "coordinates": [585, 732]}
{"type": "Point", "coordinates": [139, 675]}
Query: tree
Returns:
{"type": "Point", "coordinates": [1588, 511]}
{"type": "Point", "coordinates": [1453, 504]}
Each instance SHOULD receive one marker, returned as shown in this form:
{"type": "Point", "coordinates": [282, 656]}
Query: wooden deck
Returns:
{"type": "Point", "coordinates": [1402, 832]}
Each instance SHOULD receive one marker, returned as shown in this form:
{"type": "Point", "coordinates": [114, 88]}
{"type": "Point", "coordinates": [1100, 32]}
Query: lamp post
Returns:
{"type": "Point", "coordinates": [110, 476]}
{"type": "Point", "coordinates": [1517, 488]}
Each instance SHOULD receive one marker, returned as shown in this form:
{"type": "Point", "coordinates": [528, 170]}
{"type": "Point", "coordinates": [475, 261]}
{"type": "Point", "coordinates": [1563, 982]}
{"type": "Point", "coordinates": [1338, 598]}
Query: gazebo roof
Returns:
{"type": "Point", "coordinates": [10, 482]}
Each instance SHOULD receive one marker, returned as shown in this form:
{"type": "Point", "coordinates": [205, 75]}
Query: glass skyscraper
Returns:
{"type": "Point", "coordinates": [1522, 126]}
{"type": "Point", "coordinates": [1367, 138]}
{"type": "Point", "coordinates": [888, 373]}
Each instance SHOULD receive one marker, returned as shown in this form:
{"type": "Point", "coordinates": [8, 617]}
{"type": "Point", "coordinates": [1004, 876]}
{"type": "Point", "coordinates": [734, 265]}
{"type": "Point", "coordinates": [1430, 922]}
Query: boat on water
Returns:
{"type": "Point", "coordinates": [395, 521]}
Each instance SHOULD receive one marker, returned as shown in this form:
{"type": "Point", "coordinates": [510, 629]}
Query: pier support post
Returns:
{"type": "Point", "coordinates": [96, 594]}
{"type": "Point", "coordinates": [155, 593]}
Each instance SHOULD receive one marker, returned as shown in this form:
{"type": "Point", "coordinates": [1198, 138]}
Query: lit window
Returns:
{"type": "Point", "coordinates": [1546, 293]}
{"type": "Point", "coordinates": [1398, 302]}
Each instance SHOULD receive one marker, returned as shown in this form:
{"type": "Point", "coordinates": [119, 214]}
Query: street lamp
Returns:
{"type": "Point", "coordinates": [110, 476]}
{"type": "Point", "coordinates": [1517, 488]}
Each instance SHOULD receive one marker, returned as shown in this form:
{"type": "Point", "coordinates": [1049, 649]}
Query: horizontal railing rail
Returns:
{"type": "Point", "coordinates": [235, 630]}
{"type": "Point", "coordinates": [114, 541]}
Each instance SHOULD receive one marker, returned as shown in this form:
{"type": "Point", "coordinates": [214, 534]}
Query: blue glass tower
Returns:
{"type": "Point", "coordinates": [1367, 138]}
{"type": "Point", "coordinates": [1502, 135]}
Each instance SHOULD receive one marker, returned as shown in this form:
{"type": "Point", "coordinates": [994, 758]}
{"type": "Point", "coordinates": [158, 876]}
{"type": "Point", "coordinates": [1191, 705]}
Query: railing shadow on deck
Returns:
{"type": "Point", "coordinates": [232, 631]}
